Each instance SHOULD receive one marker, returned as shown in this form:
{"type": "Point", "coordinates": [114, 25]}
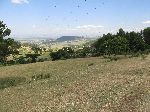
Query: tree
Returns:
{"type": "Point", "coordinates": [121, 32]}
{"type": "Point", "coordinates": [64, 53]}
{"type": "Point", "coordinates": [33, 57]}
{"type": "Point", "coordinates": [55, 56]}
{"type": "Point", "coordinates": [4, 31]}
{"type": "Point", "coordinates": [44, 49]}
{"type": "Point", "coordinates": [99, 45]}
{"type": "Point", "coordinates": [146, 34]}
{"type": "Point", "coordinates": [7, 46]}
{"type": "Point", "coordinates": [121, 43]}
{"type": "Point", "coordinates": [117, 45]}
{"type": "Point", "coordinates": [136, 41]}
{"type": "Point", "coordinates": [36, 48]}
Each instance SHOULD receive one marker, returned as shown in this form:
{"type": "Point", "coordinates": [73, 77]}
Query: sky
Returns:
{"type": "Point", "coordinates": [55, 18]}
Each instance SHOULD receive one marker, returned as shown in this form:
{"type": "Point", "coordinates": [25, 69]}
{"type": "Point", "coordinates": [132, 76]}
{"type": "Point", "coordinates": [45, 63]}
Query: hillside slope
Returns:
{"type": "Point", "coordinates": [68, 38]}
{"type": "Point", "coordinates": [78, 85]}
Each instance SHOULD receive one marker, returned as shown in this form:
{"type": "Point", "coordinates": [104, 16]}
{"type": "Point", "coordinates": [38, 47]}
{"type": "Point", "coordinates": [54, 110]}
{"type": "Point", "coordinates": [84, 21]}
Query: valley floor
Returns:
{"type": "Point", "coordinates": [77, 85]}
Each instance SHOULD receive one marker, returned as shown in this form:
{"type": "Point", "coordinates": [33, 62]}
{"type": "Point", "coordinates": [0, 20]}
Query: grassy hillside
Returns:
{"type": "Point", "coordinates": [77, 85]}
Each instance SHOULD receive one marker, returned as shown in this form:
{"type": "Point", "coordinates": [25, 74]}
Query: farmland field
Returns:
{"type": "Point", "coordinates": [77, 85]}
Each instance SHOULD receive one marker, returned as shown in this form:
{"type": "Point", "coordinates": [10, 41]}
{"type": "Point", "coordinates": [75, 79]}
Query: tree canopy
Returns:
{"type": "Point", "coordinates": [146, 34]}
{"type": "Point", "coordinates": [121, 43]}
{"type": "Point", "coordinates": [7, 46]}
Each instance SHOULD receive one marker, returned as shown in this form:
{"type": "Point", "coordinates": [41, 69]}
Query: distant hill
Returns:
{"type": "Point", "coordinates": [68, 38]}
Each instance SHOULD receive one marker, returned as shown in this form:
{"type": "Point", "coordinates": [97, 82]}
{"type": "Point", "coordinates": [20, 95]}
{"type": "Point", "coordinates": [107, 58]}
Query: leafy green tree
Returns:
{"type": "Point", "coordinates": [136, 42]}
{"type": "Point", "coordinates": [121, 32]}
{"type": "Point", "coordinates": [33, 57]}
{"type": "Point", "coordinates": [4, 31]}
{"type": "Point", "coordinates": [117, 45]}
{"type": "Point", "coordinates": [7, 46]}
{"type": "Point", "coordinates": [120, 43]}
{"type": "Point", "coordinates": [99, 46]}
{"type": "Point", "coordinates": [35, 48]}
{"type": "Point", "coordinates": [55, 56]}
{"type": "Point", "coordinates": [64, 53]}
{"type": "Point", "coordinates": [80, 53]}
{"type": "Point", "coordinates": [146, 34]}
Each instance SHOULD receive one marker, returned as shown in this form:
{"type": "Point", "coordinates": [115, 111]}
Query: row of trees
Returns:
{"type": "Point", "coordinates": [121, 43]}
{"type": "Point", "coordinates": [68, 52]}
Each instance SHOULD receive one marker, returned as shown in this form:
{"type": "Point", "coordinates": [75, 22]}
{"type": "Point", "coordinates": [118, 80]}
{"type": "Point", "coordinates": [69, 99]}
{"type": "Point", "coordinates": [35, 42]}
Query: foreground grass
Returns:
{"type": "Point", "coordinates": [78, 85]}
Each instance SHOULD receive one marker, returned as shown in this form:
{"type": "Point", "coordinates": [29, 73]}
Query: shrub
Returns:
{"type": "Point", "coordinates": [41, 59]}
{"type": "Point", "coordinates": [55, 56]}
{"type": "Point", "coordinates": [143, 56]}
{"type": "Point", "coordinates": [90, 64]}
{"type": "Point", "coordinates": [33, 57]}
{"type": "Point", "coordinates": [11, 62]}
{"type": "Point", "coordinates": [41, 76]}
{"type": "Point", "coordinates": [114, 58]}
{"type": "Point", "coordinates": [64, 53]}
{"type": "Point", "coordinates": [80, 54]}
{"type": "Point", "coordinates": [111, 58]}
{"type": "Point", "coordinates": [11, 81]}
{"type": "Point", "coordinates": [21, 60]}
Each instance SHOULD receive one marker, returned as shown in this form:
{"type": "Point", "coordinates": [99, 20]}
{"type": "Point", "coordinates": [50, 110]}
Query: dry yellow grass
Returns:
{"type": "Point", "coordinates": [79, 85]}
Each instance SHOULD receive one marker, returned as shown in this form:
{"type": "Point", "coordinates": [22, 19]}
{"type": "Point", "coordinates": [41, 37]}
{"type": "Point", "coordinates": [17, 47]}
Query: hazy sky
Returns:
{"type": "Point", "coordinates": [54, 18]}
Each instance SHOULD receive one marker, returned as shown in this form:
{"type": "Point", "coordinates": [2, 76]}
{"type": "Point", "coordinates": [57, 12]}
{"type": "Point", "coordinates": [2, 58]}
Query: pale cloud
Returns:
{"type": "Point", "coordinates": [89, 26]}
{"type": "Point", "coordinates": [146, 22]}
{"type": "Point", "coordinates": [19, 1]}
{"type": "Point", "coordinates": [34, 26]}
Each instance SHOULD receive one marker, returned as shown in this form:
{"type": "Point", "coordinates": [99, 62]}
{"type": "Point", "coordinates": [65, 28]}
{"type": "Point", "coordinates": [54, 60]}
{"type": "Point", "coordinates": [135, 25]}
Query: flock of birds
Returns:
{"type": "Point", "coordinates": [79, 6]}
{"type": "Point", "coordinates": [71, 12]}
